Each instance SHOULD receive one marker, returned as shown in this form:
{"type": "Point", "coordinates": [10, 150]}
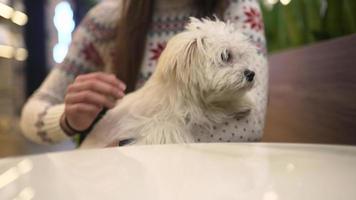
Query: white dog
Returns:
{"type": "Point", "coordinates": [202, 77]}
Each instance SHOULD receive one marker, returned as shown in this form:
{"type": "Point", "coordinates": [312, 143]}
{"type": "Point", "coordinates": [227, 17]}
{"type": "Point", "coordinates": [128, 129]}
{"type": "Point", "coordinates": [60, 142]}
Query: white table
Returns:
{"type": "Point", "coordinates": [200, 171]}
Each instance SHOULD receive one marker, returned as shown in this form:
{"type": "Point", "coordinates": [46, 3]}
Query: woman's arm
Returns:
{"type": "Point", "coordinates": [40, 120]}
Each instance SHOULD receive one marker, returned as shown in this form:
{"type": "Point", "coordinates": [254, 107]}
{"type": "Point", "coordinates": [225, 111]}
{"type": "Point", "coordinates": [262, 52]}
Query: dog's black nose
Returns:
{"type": "Point", "coordinates": [249, 74]}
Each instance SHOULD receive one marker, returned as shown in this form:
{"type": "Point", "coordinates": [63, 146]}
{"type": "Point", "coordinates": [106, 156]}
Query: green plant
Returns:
{"type": "Point", "coordinates": [307, 21]}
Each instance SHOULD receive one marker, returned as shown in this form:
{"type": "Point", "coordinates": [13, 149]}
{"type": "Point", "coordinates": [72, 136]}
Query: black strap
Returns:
{"type": "Point", "coordinates": [84, 134]}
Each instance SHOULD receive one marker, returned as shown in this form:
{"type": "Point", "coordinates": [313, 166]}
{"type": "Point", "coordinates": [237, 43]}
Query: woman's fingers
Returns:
{"type": "Point", "coordinates": [89, 97]}
{"type": "Point", "coordinates": [108, 78]}
{"type": "Point", "coordinates": [96, 86]}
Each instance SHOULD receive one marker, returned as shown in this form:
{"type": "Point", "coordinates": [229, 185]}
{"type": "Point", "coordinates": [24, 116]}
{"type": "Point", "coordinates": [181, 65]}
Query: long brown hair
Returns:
{"type": "Point", "coordinates": [133, 27]}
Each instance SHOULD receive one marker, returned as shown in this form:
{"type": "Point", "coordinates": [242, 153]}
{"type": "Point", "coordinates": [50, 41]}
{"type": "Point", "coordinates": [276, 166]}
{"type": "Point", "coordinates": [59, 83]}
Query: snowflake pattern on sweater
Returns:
{"type": "Point", "coordinates": [92, 49]}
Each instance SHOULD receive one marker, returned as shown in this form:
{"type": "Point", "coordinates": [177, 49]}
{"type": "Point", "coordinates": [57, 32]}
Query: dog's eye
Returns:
{"type": "Point", "coordinates": [226, 56]}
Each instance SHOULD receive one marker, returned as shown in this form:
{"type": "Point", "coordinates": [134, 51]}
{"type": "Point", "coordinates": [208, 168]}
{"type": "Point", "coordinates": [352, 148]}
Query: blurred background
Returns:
{"type": "Point", "coordinates": [293, 23]}
{"type": "Point", "coordinates": [35, 34]}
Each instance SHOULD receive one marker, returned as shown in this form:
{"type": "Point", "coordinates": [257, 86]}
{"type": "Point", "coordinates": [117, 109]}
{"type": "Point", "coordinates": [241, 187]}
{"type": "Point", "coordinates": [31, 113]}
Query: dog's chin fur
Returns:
{"type": "Point", "coordinates": [192, 84]}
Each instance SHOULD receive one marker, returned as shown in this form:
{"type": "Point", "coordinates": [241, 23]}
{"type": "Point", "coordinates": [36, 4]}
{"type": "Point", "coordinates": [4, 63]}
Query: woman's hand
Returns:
{"type": "Point", "coordinates": [87, 96]}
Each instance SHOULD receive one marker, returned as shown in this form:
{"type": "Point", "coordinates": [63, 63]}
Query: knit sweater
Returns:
{"type": "Point", "coordinates": [92, 50]}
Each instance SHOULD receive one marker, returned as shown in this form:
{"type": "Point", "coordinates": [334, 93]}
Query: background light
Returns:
{"type": "Point", "coordinates": [6, 51]}
{"type": "Point", "coordinates": [64, 23]}
{"type": "Point", "coordinates": [21, 54]}
{"type": "Point", "coordinates": [60, 52]}
{"type": "Point", "coordinates": [6, 11]}
{"type": "Point", "coordinates": [272, 1]}
{"type": "Point", "coordinates": [285, 2]}
{"type": "Point", "coordinates": [19, 18]}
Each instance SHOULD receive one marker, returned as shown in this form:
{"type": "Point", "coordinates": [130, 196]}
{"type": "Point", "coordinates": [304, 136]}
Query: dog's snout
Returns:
{"type": "Point", "coordinates": [249, 74]}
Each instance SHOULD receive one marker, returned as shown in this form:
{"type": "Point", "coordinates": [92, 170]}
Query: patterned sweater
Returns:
{"type": "Point", "coordinates": [92, 50]}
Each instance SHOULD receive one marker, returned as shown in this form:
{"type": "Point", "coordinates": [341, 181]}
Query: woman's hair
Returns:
{"type": "Point", "coordinates": [132, 30]}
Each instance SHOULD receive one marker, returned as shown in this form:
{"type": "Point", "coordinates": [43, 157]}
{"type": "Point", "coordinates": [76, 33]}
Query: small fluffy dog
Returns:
{"type": "Point", "coordinates": [202, 77]}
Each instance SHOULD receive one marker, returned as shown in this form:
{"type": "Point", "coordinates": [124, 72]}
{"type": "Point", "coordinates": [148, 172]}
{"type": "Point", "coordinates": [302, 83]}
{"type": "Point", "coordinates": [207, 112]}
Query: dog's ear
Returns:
{"type": "Point", "coordinates": [179, 59]}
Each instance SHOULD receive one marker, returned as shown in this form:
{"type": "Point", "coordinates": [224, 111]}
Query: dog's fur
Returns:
{"type": "Point", "coordinates": [199, 79]}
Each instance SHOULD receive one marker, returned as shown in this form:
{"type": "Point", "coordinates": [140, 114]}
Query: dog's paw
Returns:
{"type": "Point", "coordinates": [242, 113]}
{"type": "Point", "coordinates": [244, 108]}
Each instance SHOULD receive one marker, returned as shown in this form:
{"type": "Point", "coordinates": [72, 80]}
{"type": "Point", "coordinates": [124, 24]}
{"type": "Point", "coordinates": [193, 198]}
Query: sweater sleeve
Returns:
{"type": "Point", "coordinates": [87, 53]}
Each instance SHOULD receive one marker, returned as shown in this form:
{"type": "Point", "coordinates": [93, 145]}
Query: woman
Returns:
{"type": "Point", "coordinates": [115, 50]}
